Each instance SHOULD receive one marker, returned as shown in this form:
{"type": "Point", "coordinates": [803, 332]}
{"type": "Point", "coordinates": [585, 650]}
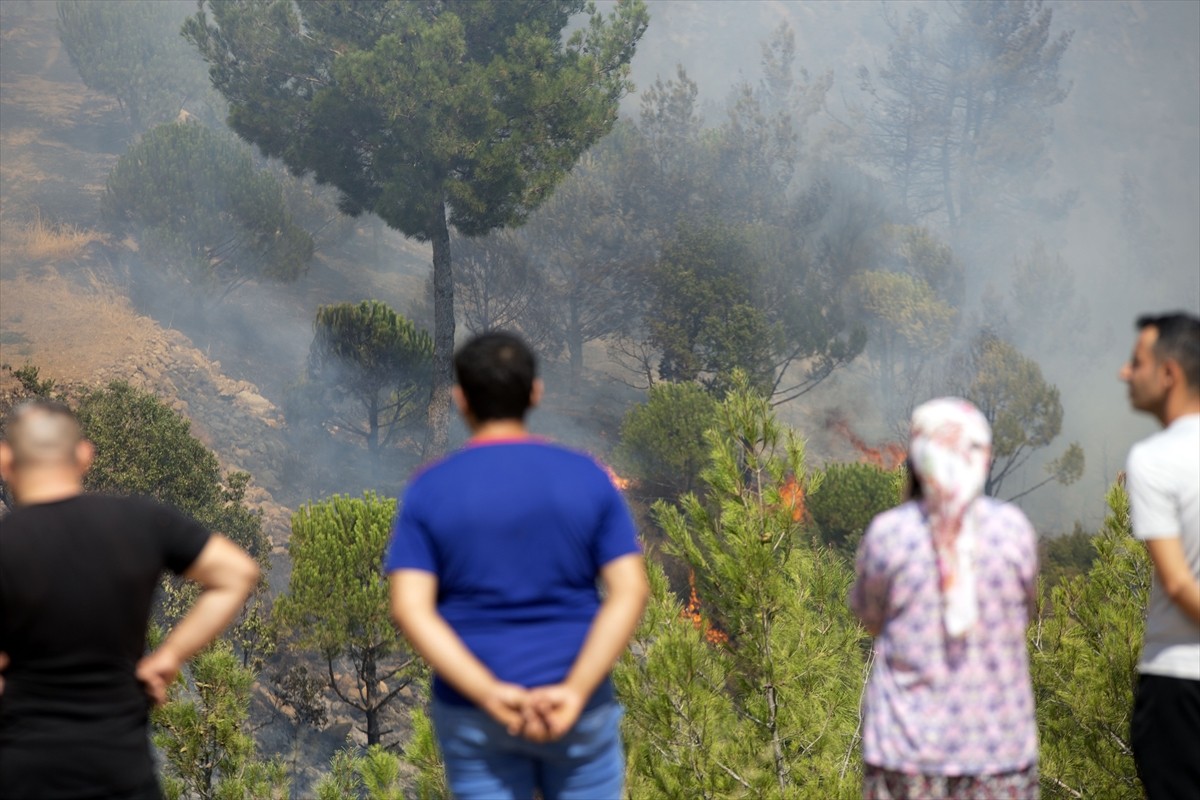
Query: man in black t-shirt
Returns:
{"type": "Point", "coordinates": [77, 575]}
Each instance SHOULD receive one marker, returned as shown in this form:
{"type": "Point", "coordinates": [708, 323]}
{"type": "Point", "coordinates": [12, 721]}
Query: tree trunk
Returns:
{"type": "Point", "coordinates": [372, 708]}
{"type": "Point", "coordinates": [443, 336]}
{"type": "Point", "coordinates": [776, 742]}
{"type": "Point", "coordinates": [376, 239]}
{"type": "Point", "coordinates": [772, 699]}
{"type": "Point", "coordinates": [947, 186]}
{"type": "Point", "coordinates": [373, 426]}
{"type": "Point", "coordinates": [575, 345]}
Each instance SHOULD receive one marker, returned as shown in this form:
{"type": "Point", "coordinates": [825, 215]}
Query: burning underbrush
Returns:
{"type": "Point", "coordinates": [621, 483]}
{"type": "Point", "coordinates": [888, 455]}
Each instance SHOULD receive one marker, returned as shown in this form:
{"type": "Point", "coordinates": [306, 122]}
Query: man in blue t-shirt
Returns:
{"type": "Point", "coordinates": [494, 565]}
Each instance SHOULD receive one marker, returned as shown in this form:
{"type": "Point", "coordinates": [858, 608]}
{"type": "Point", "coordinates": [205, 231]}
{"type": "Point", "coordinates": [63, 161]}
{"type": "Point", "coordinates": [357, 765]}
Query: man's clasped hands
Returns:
{"type": "Point", "coordinates": [542, 714]}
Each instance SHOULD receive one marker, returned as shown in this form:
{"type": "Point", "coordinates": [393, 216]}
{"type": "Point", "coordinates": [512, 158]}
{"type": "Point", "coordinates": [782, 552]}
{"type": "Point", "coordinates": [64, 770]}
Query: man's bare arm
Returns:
{"type": "Point", "coordinates": [414, 608]}
{"type": "Point", "coordinates": [615, 622]}
{"type": "Point", "coordinates": [1178, 582]}
{"type": "Point", "coordinates": [227, 576]}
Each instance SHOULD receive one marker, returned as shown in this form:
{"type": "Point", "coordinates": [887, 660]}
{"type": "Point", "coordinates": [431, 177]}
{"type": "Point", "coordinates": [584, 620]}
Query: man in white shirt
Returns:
{"type": "Point", "coordinates": [1163, 479]}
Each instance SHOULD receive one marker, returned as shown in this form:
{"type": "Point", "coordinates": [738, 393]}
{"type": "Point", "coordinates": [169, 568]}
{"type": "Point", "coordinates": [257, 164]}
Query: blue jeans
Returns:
{"type": "Point", "coordinates": [484, 762]}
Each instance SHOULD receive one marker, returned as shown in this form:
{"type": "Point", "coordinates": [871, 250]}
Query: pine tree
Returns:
{"type": "Point", "coordinates": [1023, 408]}
{"type": "Point", "coordinates": [133, 51]}
{"type": "Point", "coordinates": [198, 204]}
{"type": "Point", "coordinates": [337, 547]}
{"type": "Point", "coordinates": [431, 115]}
{"type": "Point", "coordinates": [1084, 655]}
{"type": "Point", "coordinates": [202, 733]}
{"type": "Point", "coordinates": [375, 359]}
{"type": "Point", "coordinates": [961, 120]}
{"type": "Point", "coordinates": [756, 694]}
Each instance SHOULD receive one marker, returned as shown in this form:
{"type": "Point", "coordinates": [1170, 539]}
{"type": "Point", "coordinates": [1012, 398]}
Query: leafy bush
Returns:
{"type": "Point", "coordinates": [662, 440]}
{"type": "Point", "coordinates": [1084, 652]}
{"type": "Point", "coordinates": [134, 52]}
{"type": "Point", "coordinates": [850, 497]}
{"type": "Point", "coordinates": [200, 206]}
{"type": "Point", "coordinates": [144, 447]}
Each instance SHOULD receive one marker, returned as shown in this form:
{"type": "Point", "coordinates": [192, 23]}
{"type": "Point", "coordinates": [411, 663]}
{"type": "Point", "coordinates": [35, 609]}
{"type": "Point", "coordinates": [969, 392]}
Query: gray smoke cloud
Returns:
{"type": "Point", "coordinates": [1126, 139]}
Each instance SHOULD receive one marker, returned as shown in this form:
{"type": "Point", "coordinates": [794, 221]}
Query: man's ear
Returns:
{"type": "Point", "coordinates": [6, 462]}
{"type": "Point", "coordinates": [85, 454]}
{"type": "Point", "coordinates": [1173, 373]}
{"type": "Point", "coordinates": [460, 400]}
{"type": "Point", "coordinates": [535, 396]}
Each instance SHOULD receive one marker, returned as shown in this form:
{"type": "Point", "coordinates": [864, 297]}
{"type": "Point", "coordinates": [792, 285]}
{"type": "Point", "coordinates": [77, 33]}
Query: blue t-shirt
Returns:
{"type": "Point", "coordinates": [516, 533]}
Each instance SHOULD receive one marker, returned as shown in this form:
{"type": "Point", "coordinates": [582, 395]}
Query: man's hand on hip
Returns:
{"type": "Point", "coordinates": [157, 671]}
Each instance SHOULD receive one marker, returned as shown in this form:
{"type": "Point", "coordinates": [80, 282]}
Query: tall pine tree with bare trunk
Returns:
{"type": "Point", "coordinates": [432, 115]}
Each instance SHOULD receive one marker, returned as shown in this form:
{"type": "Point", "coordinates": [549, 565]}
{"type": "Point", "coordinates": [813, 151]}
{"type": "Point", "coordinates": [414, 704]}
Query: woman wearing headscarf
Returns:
{"type": "Point", "coordinates": [946, 584]}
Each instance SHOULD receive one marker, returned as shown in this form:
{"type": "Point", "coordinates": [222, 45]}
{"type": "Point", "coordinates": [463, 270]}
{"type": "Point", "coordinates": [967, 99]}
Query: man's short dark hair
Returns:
{"type": "Point", "coordinates": [1178, 339]}
{"type": "Point", "coordinates": [495, 371]}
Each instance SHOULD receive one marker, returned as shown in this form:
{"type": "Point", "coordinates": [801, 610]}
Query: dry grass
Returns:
{"type": "Point", "coordinates": [41, 240]}
{"type": "Point", "coordinates": [74, 327]}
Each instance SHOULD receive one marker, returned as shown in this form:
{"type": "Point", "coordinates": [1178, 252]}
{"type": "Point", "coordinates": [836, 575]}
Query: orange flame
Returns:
{"type": "Point", "coordinates": [888, 455]}
{"type": "Point", "coordinates": [621, 483]}
{"type": "Point", "coordinates": [792, 495]}
{"type": "Point", "coordinates": [692, 613]}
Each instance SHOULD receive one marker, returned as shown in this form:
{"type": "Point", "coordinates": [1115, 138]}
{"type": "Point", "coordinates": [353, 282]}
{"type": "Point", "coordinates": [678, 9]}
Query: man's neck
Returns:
{"type": "Point", "coordinates": [1179, 407]}
{"type": "Point", "coordinates": [49, 489]}
{"type": "Point", "coordinates": [499, 430]}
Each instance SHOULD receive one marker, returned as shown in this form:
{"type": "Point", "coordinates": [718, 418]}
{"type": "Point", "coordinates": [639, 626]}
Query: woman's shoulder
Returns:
{"type": "Point", "coordinates": [997, 513]}
{"type": "Point", "coordinates": [1005, 528]}
{"type": "Point", "coordinates": [905, 517]}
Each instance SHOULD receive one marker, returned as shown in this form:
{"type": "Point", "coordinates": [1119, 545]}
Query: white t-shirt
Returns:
{"type": "Point", "coordinates": [1163, 479]}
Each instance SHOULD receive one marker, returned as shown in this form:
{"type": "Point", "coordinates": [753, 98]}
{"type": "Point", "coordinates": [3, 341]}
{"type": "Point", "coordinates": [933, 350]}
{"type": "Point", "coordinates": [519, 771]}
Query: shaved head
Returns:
{"type": "Point", "coordinates": [42, 433]}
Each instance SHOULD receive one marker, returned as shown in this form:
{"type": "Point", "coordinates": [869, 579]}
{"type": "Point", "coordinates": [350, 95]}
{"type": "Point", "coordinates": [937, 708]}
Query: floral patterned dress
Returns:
{"type": "Point", "coordinates": [948, 716]}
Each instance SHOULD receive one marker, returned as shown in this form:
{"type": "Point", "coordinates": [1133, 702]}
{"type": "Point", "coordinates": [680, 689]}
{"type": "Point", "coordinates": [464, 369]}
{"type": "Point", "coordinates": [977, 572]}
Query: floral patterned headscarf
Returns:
{"type": "Point", "coordinates": [950, 449]}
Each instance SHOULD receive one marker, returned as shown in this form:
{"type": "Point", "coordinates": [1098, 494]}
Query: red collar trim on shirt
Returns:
{"type": "Point", "coordinates": [527, 439]}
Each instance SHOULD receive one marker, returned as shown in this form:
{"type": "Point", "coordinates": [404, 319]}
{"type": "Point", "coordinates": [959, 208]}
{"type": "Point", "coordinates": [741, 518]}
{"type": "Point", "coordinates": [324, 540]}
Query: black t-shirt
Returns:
{"type": "Point", "coordinates": [77, 578]}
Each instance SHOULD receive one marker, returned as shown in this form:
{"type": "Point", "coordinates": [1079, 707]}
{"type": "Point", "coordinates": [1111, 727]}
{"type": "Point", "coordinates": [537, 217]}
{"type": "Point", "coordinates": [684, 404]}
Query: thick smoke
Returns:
{"type": "Point", "coordinates": [1126, 140]}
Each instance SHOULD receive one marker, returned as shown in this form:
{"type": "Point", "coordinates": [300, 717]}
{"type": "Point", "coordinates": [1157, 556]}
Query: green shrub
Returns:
{"type": "Point", "coordinates": [850, 497]}
{"type": "Point", "coordinates": [144, 447]}
{"type": "Point", "coordinates": [134, 52]}
{"type": "Point", "coordinates": [662, 440]}
{"type": "Point", "coordinates": [198, 205]}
